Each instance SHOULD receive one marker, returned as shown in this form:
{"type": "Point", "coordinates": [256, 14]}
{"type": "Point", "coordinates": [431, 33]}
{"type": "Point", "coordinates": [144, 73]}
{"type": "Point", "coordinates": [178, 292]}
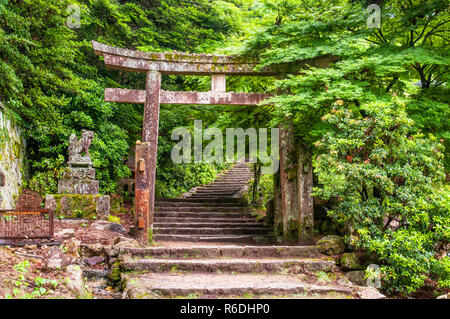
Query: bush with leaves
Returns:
{"type": "Point", "coordinates": [387, 183]}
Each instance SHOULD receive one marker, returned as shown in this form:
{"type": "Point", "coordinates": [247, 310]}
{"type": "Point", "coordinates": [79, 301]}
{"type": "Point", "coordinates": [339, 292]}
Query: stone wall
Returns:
{"type": "Point", "coordinates": [12, 155]}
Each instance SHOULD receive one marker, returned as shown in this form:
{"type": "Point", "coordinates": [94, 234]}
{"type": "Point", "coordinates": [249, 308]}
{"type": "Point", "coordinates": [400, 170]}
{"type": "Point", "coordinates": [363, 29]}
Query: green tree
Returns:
{"type": "Point", "coordinates": [53, 80]}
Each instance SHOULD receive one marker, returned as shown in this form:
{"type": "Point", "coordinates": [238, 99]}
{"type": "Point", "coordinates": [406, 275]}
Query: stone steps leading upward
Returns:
{"type": "Point", "coordinates": [194, 258]}
{"type": "Point", "coordinates": [226, 271]}
{"type": "Point", "coordinates": [222, 271]}
{"type": "Point", "coordinates": [211, 213]}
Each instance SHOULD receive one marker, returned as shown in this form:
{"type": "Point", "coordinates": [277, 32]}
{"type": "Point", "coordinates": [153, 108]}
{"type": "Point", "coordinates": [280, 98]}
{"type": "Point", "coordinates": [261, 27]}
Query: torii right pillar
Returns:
{"type": "Point", "coordinates": [293, 201]}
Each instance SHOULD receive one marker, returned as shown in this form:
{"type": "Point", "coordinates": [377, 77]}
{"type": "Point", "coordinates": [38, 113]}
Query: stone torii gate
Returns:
{"type": "Point", "coordinates": [218, 67]}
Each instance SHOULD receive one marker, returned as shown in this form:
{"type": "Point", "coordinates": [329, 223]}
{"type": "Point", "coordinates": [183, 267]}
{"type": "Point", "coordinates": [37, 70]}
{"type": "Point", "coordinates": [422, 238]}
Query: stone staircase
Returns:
{"type": "Point", "coordinates": [211, 213]}
{"type": "Point", "coordinates": [209, 246]}
{"type": "Point", "coordinates": [202, 271]}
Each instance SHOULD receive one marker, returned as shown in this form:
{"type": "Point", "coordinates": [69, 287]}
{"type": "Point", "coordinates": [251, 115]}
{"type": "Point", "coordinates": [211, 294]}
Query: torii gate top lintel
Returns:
{"type": "Point", "coordinates": [195, 64]}
{"type": "Point", "coordinates": [176, 62]}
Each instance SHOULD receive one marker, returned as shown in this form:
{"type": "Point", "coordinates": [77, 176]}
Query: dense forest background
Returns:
{"type": "Point", "coordinates": [53, 81]}
{"type": "Point", "coordinates": [377, 120]}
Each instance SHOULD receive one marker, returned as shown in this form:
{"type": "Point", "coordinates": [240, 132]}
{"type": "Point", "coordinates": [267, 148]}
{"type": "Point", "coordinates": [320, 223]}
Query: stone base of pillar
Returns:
{"type": "Point", "coordinates": [78, 206]}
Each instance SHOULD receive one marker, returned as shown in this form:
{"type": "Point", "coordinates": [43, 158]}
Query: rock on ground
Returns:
{"type": "Point", "coordinates": [357, 277]}
{"type": "Point", "coordinates": [56, 259]}
{"type": "Point", "coordinates": [350, 261]}
{"type": "Point", "coordinates": [105, 225]}
{"type": "Point", "coordinates": [331, 245]}
{"type": "Point", "coordinates": [75, 283]}
{"type": "Point", "coordinates": [65, 233]}
{"type": "Point", "coordinates": [369, 293]}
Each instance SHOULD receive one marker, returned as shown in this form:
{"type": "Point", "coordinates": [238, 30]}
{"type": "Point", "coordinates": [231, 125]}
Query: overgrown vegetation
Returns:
{"type": "Point", "coordinates": [391, 199]}
{"type": "Point", "coordinates": [384, 98]}
{"type": "Point", "coordinates": [377, 119]}
{"type": "Point", "coordinates": [52, 79]}
{"type": "Point", "coordinates": [39, 287]}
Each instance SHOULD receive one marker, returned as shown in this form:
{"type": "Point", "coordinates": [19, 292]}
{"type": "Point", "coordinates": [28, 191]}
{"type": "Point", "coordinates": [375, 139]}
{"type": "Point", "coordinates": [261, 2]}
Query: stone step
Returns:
{"type": "Point", "coordinates": [223, 182]}
{"type": "Point", "coordinates": [210, 197]}
{"type": "Point", "coordinates": [232, 189]}
{"type": "Point", "coordinates": [200, 214]}
{"type": "Point", "coordinates": [201, 209]}
{"type": "Point", "coordinates": [260, 230]}
{"type": "Point", "coordinates": [224, 285]}
{"type": "Point", "coordinates": [193, 204]}
{"type": "Point", "coordinates": [242, 239]}
{"type": "Point", "coordinates": [235, 177]}
{"type": "Point", "coordinates": [240, 221]}
{"type": "Point", "coordinates": [215, 251]}
{"type": "Point", "coordinates": [227, 224]}
{"type": "Point", "coordinates": [236, 181]}
{"type": "Point", "coordinates": [225, 187]}
{"type": "Point", "coordinates": [240, 265]}
{"type": "Point", "coordinates": [215, 193]}
{"type": "Point", "coordinates": [219, 188]}
{"type": "Point", "coordinates": [237, 173]}
{"type": "Point", "coordinates": [199, 200]}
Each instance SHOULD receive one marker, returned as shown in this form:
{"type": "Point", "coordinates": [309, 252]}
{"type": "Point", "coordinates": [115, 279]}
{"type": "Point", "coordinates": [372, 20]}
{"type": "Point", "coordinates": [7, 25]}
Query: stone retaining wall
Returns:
{"type": "Point", "coordinates": [12, 158]}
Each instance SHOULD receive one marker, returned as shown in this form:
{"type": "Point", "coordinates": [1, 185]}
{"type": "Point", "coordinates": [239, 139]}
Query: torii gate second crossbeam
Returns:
{"type": "Point", "coordinates": [155, 64]}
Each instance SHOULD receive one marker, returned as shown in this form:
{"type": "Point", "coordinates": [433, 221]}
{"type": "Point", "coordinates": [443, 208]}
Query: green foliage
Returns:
{"type": "Point", "coordinates": [406, 58]}
{"type": "Point", "coordinates": [114, 219]}
{"type": "Point", "coordinates": [388, 185]}
{"type": "Point", "coordinates": [52, 79]}
{"type": "Point", "coordinates": [41, 286]}
{"type": "Point", "coordinates": [174, 180]}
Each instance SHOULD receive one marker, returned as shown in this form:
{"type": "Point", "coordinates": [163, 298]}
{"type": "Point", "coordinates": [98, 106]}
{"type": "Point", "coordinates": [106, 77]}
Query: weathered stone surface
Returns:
{"type": "Point", "coordinates": [446, 296]}
{"type": "Point", "coordinates": [227, 251]}
{"type": "Point", "coordinates": [78, 206]}
{"type": "Point", "coordinates": [183, 97]}
{"type": "Point", "coordinates": [125, 242]}
{"type": "Point", "coordinates": [75, 283]}
{"type": "Point", "coordinates": [357, 277]}
{"type": "Point", "coordinates": [80, 179]}
{"type": "Point", "coordinates": [83, 186]}
{"type": "Point", "coordinates": [368, 293]}
{"type": "Point", "coordinates": [105, 225]}
{"type": "Point", "coordinates": [65, 233]}
{"type": "Point", "coordinates": [190, 63]}
{"type": "Point", "coordinates": [145, 286]}
{"type": "Point", "coordinates": [331, 245]}
{"type": "Point", "coordinates": [103, 207]}
{"type": "Point", "coordinates": [91, 250]}
{"type": "Point", "coordinates": [72, 247]}
{"type": "Point", "coordinates": [79, 148]}
{"type": "Point", "coordinates": [12, 158]}
{"type": "Point", "coordinates": [94, 260]}
{"type": "Point", "coordinates": [56, 259]}
{"type": "Point", "coordinates": [288, 183]}
{"type": "Point", "coordinates": [292, 266]}
{"type": "Point", "coordinates": [350, 261]}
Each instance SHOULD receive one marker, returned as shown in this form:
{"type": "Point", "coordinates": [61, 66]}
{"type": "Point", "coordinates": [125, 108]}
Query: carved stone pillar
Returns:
{"type": "Point", "coordinates": [288, 183]}
{"type": "Point", "coordinates": [305, 199]}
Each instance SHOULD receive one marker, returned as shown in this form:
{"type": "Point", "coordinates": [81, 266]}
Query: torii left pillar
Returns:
{"type": "Point", "coordinates": [146, 155]}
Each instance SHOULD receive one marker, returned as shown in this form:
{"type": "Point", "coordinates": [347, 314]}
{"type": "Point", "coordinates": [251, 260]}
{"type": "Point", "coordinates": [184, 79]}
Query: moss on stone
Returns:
{"type": "Point", "coordinates": [76, 206]}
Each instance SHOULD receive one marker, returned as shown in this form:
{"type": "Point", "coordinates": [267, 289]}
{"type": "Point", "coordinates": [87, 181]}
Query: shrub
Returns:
{"type": "Point", "coordinates": [387, 183]}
